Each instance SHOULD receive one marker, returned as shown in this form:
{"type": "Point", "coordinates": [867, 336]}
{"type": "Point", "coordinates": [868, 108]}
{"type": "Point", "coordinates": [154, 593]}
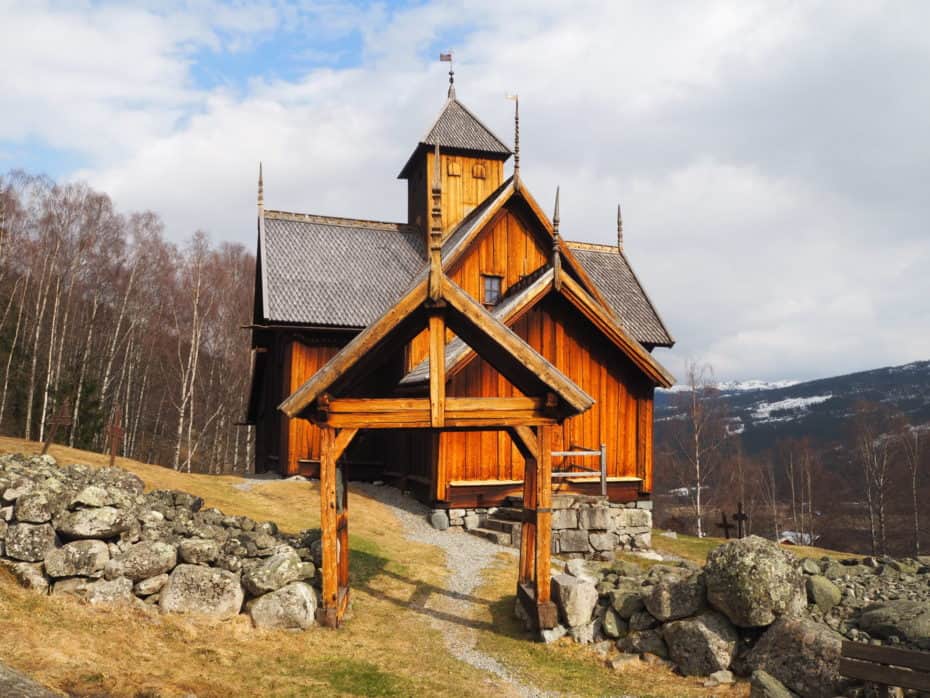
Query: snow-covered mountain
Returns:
{"type": "Point", "coordinates": [764, 412]}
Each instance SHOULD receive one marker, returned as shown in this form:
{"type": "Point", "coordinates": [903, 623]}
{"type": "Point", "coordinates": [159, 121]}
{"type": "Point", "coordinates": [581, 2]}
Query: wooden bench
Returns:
{"type": "Point", "coordinates": [888, 666]}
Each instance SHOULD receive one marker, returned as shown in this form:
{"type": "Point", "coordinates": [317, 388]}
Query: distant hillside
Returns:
{"type": "Point", "coordinates": [820, 409]}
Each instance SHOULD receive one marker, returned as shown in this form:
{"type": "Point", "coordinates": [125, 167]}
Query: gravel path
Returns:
{"type": "Point", "coordinates": [466, 558]}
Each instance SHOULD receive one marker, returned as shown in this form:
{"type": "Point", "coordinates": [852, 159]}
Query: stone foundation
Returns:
{"type": "Point", "coordinates": [582, 526]}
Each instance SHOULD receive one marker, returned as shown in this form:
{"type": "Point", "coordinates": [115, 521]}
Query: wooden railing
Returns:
{"type": "Point", "coordinates": [888, 666]}
{"type": "Point", "coordinates": [584, 453]}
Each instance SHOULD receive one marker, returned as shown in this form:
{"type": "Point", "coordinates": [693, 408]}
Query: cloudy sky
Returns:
{"type": "Point", "coordinates": [772, 159]}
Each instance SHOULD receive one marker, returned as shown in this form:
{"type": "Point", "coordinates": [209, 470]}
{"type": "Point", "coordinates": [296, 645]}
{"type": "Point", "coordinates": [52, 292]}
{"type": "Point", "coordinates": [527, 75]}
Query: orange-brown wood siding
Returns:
{"type": "Point", "coordinates": [621, 417]}
{"type": "Point", "coordinates": [505, 248]}
{"type": "Point", "coordinates": [300, 438]}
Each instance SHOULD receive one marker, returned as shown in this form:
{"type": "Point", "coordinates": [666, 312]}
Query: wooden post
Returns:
{"type": "Point", "coordinates": [116, 432]}
{"type": "Point", "coordinates": [528, 530]}
{"type": "Point", "coordinates": [437, 368]}
{"type": "Point", "coordinates": [725, 525]}
{"type": "Point", "coordinates": [342, 530]}
{"type": "Point", "coordinates": [328, 612]}
{"type": "Point", "coordinates": [547, 613]}
{"type": "Point", "coordinates": [740, 518]}
{"type": "Point", "coordinates": [62, 418]}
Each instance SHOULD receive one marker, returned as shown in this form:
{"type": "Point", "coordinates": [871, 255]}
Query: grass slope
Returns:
{"type": "Point", "coordinates": [386, 648]}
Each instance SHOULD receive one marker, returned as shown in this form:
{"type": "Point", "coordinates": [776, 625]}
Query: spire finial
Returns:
{"type": "Point", "coordinates": [619, 229]}
{"type": "Point", "coordinates": [555, 215]}
{"type": "Point", "coordinates": [447, 58]}
{"type": "Point", "coordinates": [516, 134]}
{"type": "Point", "coordinates": [261, 188]}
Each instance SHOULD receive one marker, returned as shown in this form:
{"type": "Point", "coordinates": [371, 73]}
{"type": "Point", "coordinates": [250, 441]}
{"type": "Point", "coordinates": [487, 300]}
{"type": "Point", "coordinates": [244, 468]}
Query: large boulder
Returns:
{"type": "Point", "coordinates": [626, 600]}
{"type": "Point", "coordinates": [644, 642]}
{"type": "Point", "coordinates": [29, 542]}
{"type": "Point", "coordinates": [101, 522]}
{"type": "Point", "coordinates": [674, 597]}
{"type": "Point", "coordinates": [109, 592]}
{"type": "Point", "coordinates": [576, 599]}
{"type": "Point", "coordinates": [273, 572]}
{"type": "Point", "coordinates": [701, 645]}
{"type": "Point", "coordinates": [907, 620]}
{"type": "Point", "coordinates": [753, 581]}
{"type": "Point", "coordinates": [292, 607]}
{"type": "Point", "coordinates": [143, 560]}
{"type": "Point", "coordinates": [202, 590]}
{"type": "Point", "coordinates": [81, 558]}
{"type": "Point", "coordinates": [801, 654]}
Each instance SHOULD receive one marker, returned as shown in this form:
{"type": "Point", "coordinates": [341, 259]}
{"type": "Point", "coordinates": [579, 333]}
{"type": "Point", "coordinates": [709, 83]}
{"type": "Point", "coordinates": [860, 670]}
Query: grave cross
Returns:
{"type": "Point", "coordinates": [62, 418]}
{"type": "Point", "coordinates": [724, 524]}
{"type": "Point", "coordinates": [116, 432]}
{"type": "Point", "coordinates": [740, 518]}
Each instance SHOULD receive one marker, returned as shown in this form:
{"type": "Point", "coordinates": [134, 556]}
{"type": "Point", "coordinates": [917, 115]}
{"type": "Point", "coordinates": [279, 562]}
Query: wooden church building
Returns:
{"type": "Point", "coordinates": [323, 282]}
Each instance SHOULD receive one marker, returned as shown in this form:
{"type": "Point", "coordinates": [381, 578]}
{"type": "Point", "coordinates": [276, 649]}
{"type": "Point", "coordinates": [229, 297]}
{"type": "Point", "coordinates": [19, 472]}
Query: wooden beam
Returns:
{"type": "Point", "coordinates": [342, 441]}
{"type": "Point", "coordinates": [527, 570]}
{"type": "Point", "coordinates": [328, 613]}
{"type": "Point", "coordinates": [525, 441]}
{"type": "Point", "coordinates": [416, 413]}
{"type": "Point", "coordinates": [599, 317]}
{"type": "Point", "coordinates": [342, 547]}
{"type": "Point", "coordinates": [514, 358]}
{"type": "Point", "coordinates": [544, 524]}
{"type": "Point", "coordinates": [437, 369]}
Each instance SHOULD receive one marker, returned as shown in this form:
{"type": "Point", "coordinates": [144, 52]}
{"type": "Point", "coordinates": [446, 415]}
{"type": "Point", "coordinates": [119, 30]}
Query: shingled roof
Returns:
{"type": "Point", "coordinates": [341, 272]}
{"type": "Point", "coordinates": [456, 128]}
{"type": "Point", "coordinates": [338, 272]}
{"type": "Point", "coordinates": [611, 272]}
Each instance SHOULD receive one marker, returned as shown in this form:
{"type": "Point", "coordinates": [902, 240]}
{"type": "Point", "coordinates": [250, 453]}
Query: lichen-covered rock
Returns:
{"type": "Point", "coordinates": [576, 599]}
{"type": "Point", "coordinates": [801, 654]}
{"type": "Point", "coordinates": [198, 551]}
{"type": "Point", "coordinates": [753, 581]}
{"type": "Point", "coordinates": [150, 586]}
{"type": "Point", "coordinates": [701, 645]}
{"type": "Point", "coordinates": [202, 590]}
{"type": "Point", "coordinates": [613, 625]}
{"type": "Point", "coordinates": [91, 496]}
{"type": "Point", "coordinates": [28, 574]}
{"type": "Point", "coordinates": [904, 619]}
{"type": "Point", "coordinates": [143, 560]}
{"type": "Point", "coordinates": [33, 507]}
{"type": "Point", "coordinates": [81, 558]}
{"type": "Point", "coordinates": [764, 685]}
{"type": "Point", "coordinates": [101, 522]}
{"type": "Point", "coordinates": [644, 642]}
{"type": "Point", "coordinates": [626, 601]}
{"type": "Point", "coordinates": [291, 607]}
{"type": "Point", "coordinates": [674, 597]}
{"type": "Point", "coordinates": [822, 592]}
{"type": "Point", "coordinates": [273, 573]}
{"type": "Point", "coordinates": [29, 542]}
{"type": "Point", "coordinates": [109, 592]}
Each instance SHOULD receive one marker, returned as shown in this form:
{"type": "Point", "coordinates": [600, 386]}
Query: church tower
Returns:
{"type": "Point", "coordinates": [471, 162]}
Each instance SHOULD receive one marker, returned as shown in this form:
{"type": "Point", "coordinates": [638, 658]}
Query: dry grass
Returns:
{"type": "Point", "coordinates": [387, 648]}
{"type": "Point", "coordinates": [696, 549]}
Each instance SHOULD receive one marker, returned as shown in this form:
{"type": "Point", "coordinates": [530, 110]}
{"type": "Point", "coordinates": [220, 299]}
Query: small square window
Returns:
{"type": "Point", "coordinates": [478, 171]}
{"type": "Point", "coordinates": [454, 168]}
{"type": "Point", "coordinates": [492, 289]}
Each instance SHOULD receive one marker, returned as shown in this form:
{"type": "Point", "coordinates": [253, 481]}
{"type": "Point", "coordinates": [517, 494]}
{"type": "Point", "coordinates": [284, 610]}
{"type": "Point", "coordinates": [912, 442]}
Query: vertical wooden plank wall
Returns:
{"type": "Point", "coordinates": [301, 440]}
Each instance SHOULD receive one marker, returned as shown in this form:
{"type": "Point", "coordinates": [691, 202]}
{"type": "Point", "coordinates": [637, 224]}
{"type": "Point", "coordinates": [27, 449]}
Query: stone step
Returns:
{"type": "Point", "coordinates": [508, 514]}
{"type": "Point", "coordinates": [493, 536]}
{"type": "Point", "coordinates": [503, 525]}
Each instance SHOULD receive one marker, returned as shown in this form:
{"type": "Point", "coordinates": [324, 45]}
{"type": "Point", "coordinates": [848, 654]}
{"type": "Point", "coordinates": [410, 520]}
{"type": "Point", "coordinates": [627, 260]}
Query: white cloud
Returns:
{"type": "Point", "coordinates": [771, 159]}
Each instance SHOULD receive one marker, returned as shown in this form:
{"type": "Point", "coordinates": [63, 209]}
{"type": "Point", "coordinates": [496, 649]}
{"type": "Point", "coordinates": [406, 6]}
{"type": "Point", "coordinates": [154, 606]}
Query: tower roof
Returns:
{"type": "Point", "coordinates": [456, 128]}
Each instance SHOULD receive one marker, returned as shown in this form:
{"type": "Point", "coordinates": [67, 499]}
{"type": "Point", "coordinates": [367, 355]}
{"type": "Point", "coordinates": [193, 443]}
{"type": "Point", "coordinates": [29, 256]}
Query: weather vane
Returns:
{"type": "Point", "coordinates": [447, 58]}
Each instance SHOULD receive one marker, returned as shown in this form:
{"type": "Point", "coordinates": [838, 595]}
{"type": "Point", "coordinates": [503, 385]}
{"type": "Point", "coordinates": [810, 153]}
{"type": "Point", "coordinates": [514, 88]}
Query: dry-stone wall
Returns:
{"type": "Point", "coordinates": [583, 526]}
{"type": "Point", "coordinates": [753, 610]}
{"type": "Point", "coordinates": [95, 534]}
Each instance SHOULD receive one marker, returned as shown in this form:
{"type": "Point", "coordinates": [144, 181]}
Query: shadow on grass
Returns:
{"type": "Point", "coordinates": [366, 565]}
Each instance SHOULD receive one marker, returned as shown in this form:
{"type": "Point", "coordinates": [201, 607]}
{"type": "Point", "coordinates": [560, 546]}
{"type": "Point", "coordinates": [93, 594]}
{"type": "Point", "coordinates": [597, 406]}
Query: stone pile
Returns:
{"type": "Point", "coordinates": [753, 610]}
{"type": "Point", "coordinates": [96, 534]}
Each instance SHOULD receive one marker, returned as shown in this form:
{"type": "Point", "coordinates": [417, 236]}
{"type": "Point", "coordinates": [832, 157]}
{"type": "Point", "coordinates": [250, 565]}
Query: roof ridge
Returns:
{"type": "Point", "coordinates": [339, 220]}
{"type": "Point", "coordinates": [592, 246]}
